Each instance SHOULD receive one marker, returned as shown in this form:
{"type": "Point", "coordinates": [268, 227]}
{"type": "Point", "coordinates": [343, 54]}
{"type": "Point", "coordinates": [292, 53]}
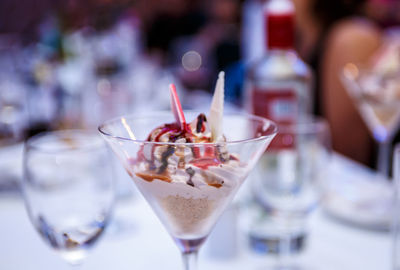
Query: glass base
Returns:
{"type": "Point", "coordinates": [287, 267]}
{"type": "Point", "coordinates": [189, 245]}
{"type": "Point", "coordinates": [271, 244]}
{"type": "Point", "coordinates": [74, 257]}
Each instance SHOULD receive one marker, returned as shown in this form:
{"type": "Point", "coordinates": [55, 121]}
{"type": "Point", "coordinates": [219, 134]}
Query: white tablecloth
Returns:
{"type": "Point", "coordinates": [137, 240]}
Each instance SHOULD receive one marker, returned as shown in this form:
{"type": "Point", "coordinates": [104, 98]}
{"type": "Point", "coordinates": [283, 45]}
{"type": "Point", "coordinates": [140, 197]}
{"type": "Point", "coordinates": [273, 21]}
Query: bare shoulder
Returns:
{"type": "Point", "coordinates": [354, 38]}
{"type": "Point", "coordinates": [355, 25]}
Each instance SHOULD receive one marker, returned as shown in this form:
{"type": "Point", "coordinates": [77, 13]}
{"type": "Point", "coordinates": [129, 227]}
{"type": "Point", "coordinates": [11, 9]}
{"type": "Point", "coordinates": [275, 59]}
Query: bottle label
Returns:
{"type": "Point", "coordinates": [280, 105]}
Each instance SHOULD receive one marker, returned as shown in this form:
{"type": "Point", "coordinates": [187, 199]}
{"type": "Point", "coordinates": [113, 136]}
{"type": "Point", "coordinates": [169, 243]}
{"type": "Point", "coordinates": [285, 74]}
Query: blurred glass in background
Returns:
{"type": "Point", "coordinates": [77, 63]}
{"type": "Point", "coordinates": [73, 64]}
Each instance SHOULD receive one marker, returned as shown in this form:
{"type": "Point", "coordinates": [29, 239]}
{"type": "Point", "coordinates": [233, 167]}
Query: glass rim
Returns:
{"type": "Point", "coordinates": [353, 71]}
{"type": "Point", "coordinates": [32, 143]}
{"type": "Point", "coordinates": [265, 121]}
{"type": "Point", "coordinates": [309, 125]}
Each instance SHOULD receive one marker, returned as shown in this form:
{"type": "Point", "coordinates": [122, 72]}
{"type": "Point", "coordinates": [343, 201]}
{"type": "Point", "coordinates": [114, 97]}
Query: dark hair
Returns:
{"type": "Point", "coordinates": [329, 11]}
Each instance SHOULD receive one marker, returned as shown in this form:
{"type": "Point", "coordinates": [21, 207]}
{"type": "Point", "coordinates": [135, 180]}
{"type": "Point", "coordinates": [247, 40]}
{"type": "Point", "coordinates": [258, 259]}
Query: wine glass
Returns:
{"type": "Point", "coordinates": [376, 94]}
{"type": "Point", "coordinates": [396, 212]}
{"type": "Point", "coordinates": [195, 181]}
{"type": "Point", "coordinates": [286, 187]}
{"type": "Point", "coordinates": [68, 190]}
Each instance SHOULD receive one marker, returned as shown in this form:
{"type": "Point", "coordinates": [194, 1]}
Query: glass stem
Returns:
{"type": "Point", "coordinates": [284, 250]}
{"type": "Point", "coordinates": [77, 267]}
{"type": "Point", "coordinates": [396, 238]}
{"type": "Point", "coordinates": [190, 260]}
{"type": "Point", "coordinates": [285, 259]}
{"type": "Point", "coordinates": [396, 212]}
{"type": "Point", "coordinates": [383, 158]}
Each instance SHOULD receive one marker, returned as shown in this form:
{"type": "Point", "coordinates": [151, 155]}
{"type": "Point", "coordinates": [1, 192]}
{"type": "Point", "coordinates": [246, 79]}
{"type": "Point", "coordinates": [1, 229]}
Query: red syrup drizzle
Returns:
{"type": "Point", "coordinates": [172, 127]}
{"type": "Point", "coordinates": [209, 158]}
{"type": "Point", "coordinates": [204, 160]}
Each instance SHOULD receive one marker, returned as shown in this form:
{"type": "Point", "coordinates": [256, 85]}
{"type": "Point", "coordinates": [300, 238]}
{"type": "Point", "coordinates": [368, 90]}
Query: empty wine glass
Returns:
{"type": "Point", "coordinates": [68, 190]}
{"type": "Point", "coordinates": [287, 187]}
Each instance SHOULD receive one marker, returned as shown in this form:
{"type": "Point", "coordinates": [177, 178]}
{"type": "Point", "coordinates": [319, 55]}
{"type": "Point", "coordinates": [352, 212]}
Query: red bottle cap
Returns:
{"type": "Point", "coordinates": [279, 20]}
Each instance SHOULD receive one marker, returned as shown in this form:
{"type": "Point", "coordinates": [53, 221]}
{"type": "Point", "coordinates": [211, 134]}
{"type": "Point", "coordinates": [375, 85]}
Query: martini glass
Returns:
{"type": "Point", "coordinates": [189, 208]}
{"type": "Point", "coordinates": [377, 97]}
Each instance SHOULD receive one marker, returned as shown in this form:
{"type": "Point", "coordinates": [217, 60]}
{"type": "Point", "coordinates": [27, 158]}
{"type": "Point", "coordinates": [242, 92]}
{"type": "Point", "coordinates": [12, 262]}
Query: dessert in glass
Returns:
{"type": "Point", "coordinates": [189, 172]}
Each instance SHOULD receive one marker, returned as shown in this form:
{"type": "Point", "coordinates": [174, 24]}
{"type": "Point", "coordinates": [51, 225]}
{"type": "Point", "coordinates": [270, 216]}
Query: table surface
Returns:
{"type": "Point", "coordinates": [136, 240]}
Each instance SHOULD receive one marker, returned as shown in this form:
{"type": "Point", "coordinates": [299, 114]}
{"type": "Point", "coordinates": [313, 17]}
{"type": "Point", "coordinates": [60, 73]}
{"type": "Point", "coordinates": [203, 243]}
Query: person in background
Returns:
{"type": "Point", "coordinates": [331, 34]}
{"type": "Point", "coordinates": [208, 30]}
{"type": "Point", "coordinates": [384, 12]}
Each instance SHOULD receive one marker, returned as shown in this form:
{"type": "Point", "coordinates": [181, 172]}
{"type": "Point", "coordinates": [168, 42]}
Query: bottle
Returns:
{"type": "Point", "coordinates": [278, 86]}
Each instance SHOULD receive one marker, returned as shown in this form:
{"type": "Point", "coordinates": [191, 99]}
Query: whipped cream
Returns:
{"type": "Point", "coordinates": [189, 164]}
{"type": "Point", "coordinates": [190, 182]}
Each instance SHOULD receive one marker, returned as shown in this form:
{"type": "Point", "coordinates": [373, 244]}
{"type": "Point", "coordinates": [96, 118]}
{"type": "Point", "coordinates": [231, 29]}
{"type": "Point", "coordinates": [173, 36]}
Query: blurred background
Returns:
{"type": "Point", "coordinates": [76, 63]}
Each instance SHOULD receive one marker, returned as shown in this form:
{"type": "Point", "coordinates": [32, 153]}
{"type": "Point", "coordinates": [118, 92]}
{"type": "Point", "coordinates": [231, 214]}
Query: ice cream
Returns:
{"type": "Point", "coordinates": [191, 180]}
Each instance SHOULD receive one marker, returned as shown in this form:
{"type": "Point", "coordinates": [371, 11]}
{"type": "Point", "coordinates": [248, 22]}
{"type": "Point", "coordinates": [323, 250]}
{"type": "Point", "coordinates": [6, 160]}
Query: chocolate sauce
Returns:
{"type": "Point", "coordinates": [200, 120]}
{"type": "Point", "coordinates": [164, 158]}
{"type": "Point", "coordinates": [169, 128]}
{"type": "Point", "coordinates": [212, 156]}
{"type": "Point", "coordinates": [190, 172]}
